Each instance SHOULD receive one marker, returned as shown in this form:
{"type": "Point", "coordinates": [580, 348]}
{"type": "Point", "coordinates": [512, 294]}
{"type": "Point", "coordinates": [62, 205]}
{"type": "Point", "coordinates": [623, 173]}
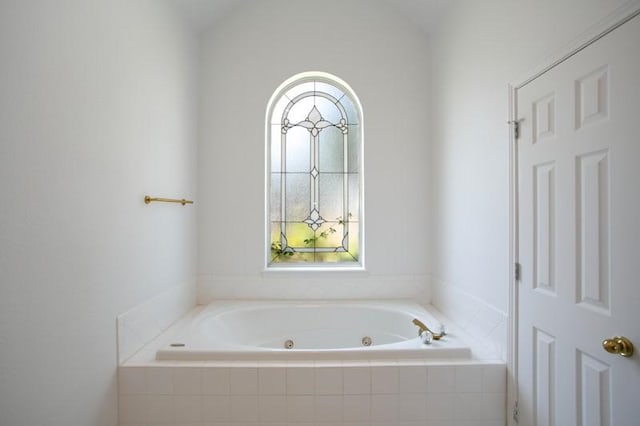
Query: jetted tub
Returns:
{"type": "Point", "coordinates": [292, 330]}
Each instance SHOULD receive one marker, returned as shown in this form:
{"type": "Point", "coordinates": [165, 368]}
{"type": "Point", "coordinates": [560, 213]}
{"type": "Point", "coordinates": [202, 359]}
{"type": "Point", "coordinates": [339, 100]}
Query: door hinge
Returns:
{"type": "Point", "coordinates": [516, 271]}
{"type": "Point", "coordinates": [515, 412]}
{"type": "Point", "coordinates": [516, 128]}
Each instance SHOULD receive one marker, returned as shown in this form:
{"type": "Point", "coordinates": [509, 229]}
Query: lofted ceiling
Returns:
{"type": "Point", "coordinates": [203, 13]}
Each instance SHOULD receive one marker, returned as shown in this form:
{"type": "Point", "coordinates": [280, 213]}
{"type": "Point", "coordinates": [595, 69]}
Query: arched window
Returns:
{"type": "Point", "coordinates": [314, 174]}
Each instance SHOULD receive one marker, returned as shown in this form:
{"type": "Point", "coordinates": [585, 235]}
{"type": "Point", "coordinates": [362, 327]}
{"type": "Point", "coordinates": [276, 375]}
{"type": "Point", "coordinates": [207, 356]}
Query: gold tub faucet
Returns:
{"type": "Point", "coordinates": [422, 328]}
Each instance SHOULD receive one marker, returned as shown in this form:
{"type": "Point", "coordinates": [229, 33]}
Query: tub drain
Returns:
{"type": "Point", "coordinates": [366, 341]}
{"type": "Point", "coordinates": [177, 345]}
{"type": "Point", "coordinates": [288, 344]}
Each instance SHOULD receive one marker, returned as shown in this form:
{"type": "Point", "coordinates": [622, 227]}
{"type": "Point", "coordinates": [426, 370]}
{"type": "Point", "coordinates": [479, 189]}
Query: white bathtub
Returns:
{"type": "Point", "coordinates": [260, 330]}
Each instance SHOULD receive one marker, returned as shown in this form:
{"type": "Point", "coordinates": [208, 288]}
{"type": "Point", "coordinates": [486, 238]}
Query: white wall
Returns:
{"type": "Point", "coordinates": [96, 110]}
{"type": "Point", "coordinates": [384, 58]}
{"type": "Point", "coordinates": [478, 49]}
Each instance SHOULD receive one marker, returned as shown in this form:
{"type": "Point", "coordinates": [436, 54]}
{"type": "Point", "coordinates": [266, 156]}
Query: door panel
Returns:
{"type": "Point", "coordinates": [579, 236]}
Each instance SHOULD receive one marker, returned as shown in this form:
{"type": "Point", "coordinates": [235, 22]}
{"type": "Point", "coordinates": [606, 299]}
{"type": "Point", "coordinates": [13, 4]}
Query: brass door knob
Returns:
{"type": "Point", "coordinates": [618, 345]}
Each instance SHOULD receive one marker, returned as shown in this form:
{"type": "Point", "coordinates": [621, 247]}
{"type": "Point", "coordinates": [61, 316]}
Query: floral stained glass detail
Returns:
{"type": "Point", "coordinates": [314, 194]}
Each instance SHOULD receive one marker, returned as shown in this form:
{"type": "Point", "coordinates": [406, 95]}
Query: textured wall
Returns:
{"type": "Point", "coordinates": [478, 49]}
{"type": "Point", "coordinates": [97, 109]}
{"type": "Point", "coordinates": [384, 58]}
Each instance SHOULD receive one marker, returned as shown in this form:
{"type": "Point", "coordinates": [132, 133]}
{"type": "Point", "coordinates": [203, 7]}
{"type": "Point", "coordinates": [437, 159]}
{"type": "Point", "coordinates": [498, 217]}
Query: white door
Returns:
{"type": "Point", "coordinates": [579, 236]}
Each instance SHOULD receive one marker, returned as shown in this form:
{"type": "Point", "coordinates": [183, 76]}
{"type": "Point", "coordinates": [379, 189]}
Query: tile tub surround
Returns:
{"type": "Point", "coordinates": [327, 393]}
{"type": "Point", "coordinates": [141, 324]}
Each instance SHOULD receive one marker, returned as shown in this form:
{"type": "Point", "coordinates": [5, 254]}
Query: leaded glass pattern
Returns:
{"type": "Point", "coordinates": [314, 161]}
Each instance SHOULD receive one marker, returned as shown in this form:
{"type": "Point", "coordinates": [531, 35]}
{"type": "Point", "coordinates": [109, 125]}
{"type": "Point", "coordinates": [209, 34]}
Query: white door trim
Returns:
{"type": "Point", "coordinates": [596, 32]}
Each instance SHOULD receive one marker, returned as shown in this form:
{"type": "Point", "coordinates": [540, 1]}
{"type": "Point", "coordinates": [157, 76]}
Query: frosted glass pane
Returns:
{"type": "Point", "coordinates": [331, 149]}
{"type": "Point", "coordinates": [300, 89]}
{"type": "Point", "coordinates": [352, 112]}
{"type": "Point", "coordinates": [354, 197]}
{"type": "Point", "coordinates": [298, 150]}
{"type": "Point", "coordinates": [275, 148]}
{"type": "Point", "coordinates": [331, 200]}
{"type": "Point", "coordinates": [354, 149]}
{"type": "Point", "coordinates": [328, 110]}
{"type": "Point", "coordinates": [327, 88]}
{"type": "Point", "coordinates": [275, 231]}
{"type": "Point", "coordinates": [300, 111]}
{"type": "Point", "coordinates": [305, 257]}
{"type": "Point", "coordinates": [297, 233]}
{"type": "Point", "coordinates": [275, 238]}
{"type": "Point", "coordinates": [334, 257]}
{"type": "Point", "coordinates": [297, 197]}
{"type": "Point", "coordinates": [354, 246]}
{"type": "Point", "coordinates": [329, 235]}
{"type": "Point", "coordinates": [275, 197]}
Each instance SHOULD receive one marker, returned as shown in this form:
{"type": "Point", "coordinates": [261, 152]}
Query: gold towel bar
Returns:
{"type": "Point", "coordinates": [148, 199]}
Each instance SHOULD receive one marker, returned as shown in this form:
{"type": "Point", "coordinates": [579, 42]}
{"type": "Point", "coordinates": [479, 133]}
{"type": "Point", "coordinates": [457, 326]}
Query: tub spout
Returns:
{"type": "Point", "coordinates": [423, 328]}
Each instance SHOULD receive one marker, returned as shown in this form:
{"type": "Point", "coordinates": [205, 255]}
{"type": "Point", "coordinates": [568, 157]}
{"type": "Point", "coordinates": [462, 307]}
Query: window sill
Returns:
{"type": "Point", "coordinates": [311, 271]}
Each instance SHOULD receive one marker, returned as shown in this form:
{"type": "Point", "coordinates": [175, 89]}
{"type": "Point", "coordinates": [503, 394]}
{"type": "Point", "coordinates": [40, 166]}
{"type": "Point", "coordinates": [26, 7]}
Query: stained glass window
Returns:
{"type": "Point", "coordinates": [314, 167]}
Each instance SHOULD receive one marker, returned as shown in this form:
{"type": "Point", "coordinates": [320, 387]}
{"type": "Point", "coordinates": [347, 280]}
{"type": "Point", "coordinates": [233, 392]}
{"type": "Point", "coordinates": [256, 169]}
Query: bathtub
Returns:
{"type": "Point", "coordinates": [294, 330]}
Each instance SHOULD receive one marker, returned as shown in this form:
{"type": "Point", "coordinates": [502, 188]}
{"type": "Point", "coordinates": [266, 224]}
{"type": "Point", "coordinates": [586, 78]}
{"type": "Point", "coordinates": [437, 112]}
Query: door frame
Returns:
{"type": "Point", "coordinates": [614, 20]}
